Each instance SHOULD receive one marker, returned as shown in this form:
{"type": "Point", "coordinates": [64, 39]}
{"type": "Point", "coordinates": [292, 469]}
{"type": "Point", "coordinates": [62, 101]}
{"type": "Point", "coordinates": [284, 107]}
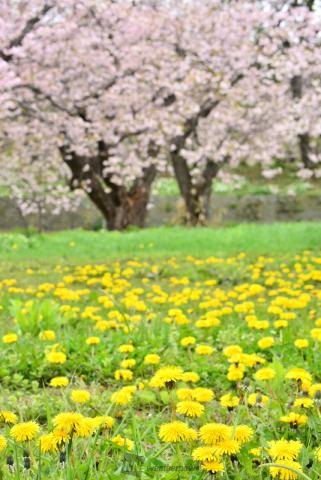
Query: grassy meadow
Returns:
{"type": "Point", "coordinates": [167, 353]}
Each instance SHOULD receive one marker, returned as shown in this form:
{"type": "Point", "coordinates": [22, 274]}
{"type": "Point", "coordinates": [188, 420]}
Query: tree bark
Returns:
{"type": "Point", "coordinates": [297, 90]}
{"type": "Point", "coordinates": [28, 27]}
{"type": "Point", "coordinates": [303, 138]}
{"type": "Point", "coordinates": [121, 207]}
{"type": "Point", "coordinates": [129, 207]}
{"type": "Point", "coordinates": [196, 195]}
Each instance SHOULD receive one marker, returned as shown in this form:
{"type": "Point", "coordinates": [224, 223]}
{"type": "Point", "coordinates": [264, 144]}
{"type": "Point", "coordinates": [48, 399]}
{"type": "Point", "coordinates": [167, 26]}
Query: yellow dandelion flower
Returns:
{"type": "Point", "coordinates": [152, 359]}
{"type": "Point", "coordinates": [57, 382]}
{"type": "Point", "coordinates": [235, 372]}
{"type": "Point", "coordinates": [264, 374]}
{"type": "Point", "coordinates": [303, 402]}
{"type": "Point", "coordinates": [128, 348]}
{"type": "Point", "coordinates": [61, 434]}
{"type": "Point", "coordinates": [185, 394]}
{"type": "Point", "coordinates": [47, 335]}
{"type": "Point", "coordinates": [284, 449]}
{"type": "Point", "coordinates": [229, 446]}
{"type": "Point", "coordinates": [3, 443]}
{"type": "Point", "coordinates": [10, 338]}
{"type": "Point", "coordinates": [8, 417]}
{"type": "Point", "coordinates": [123, 374]}
{"type": "Point", "coordinates": [102, 325]}
{"type": "Point", "coordinates": [192, 377]}
{"type": "Point", "coordinates": [242, 433]}
{"type": "Point", "coordinates": [104, 421]}
{"type": "Point", "coordinates": [86, 427]}
{"type": "Point", "coordinates": [256, 452]}
{"type": "Point", "coordinates": [284, 473]}
{"type": "Point", "coordinates": [166, 377]}
{"type": "Point", "coordinates": [266, 342]}
{"type": "Point", "coordinates": [301, 343]}
{"type": "Point", "coordinates": [48, 443]}
{"type": "Point", "coordinates": [232, 350]}
{"type": "Point", "coordinates": [25, 431]}
{"type": "Point", "coordinates": [214, 433]}
{"type": "Point", "coordinates": [294, 419]}
{"type": "Point", "coordinates": [229, 401]}
{"type": "Point", "coordinates": [92, 340]}
{"type": "Point", "coordinates": [257, 399]}
{"type": "Point", "coordinates": [128, 363]}
{"type": "Point", "coordinates": [280, 323]}
{"type": "Point", "coordinates": [315, 390]}
{"type": "Point", "coordinates": [299, 374]}
{"type": "Point", "coordinates": [129, 388]}
{"type": "Point", "coordinates": [68, 420]}
{"type": "Point", "coordinates": [204, 350]}
{"type": "Point", "coordinates": [121, 397]}
{"type": "Point", "coordinates": [80, 396]}
{"type": "Point", "coordinates": [176, 432]}
{"type": "Point", "coordinates": [202, 395]}
{"type": "Point", "coordinates": [190, 408]}
{"type": "Point", "coordinates": [68, 423]}
{"type": "Point", "coordinates": [213, 466]}
{"type": "Point", "coordinates": [206, 454]}
{"type": "Point", "coordinates": [123, 442]}
{"type": "Point", "coordinates": [56, 357]}
{"type": "Point", "coordinates": [188, 341]}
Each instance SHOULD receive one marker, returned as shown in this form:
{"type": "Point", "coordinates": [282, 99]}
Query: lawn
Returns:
{"type": "Point", "coordinates": [161, 354]}
{"type": "Point", "coordinates": [76, 246]}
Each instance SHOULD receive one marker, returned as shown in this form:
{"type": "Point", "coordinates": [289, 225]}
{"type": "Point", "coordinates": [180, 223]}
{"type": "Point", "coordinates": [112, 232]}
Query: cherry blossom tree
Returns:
{"type": "Point", "coordinates": [81, 76]}
{"type": "Point", "coordinates": [300, 84]}
{"type": "Point", "coordinates": [104, 95]}
{"type": "Point", "coordinates": [236, 91]}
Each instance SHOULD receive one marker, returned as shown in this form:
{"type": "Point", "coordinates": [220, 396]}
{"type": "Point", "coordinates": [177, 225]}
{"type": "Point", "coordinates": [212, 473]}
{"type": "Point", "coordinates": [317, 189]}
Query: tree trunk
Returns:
{"type": "Point", "coordinates": [304, 146]}
{"type": "Point", "coordinates": [119, 205]}
{"type": "Point", "coordinates": [130, 207]}
{"type": "Point", "coordinates": [303, 138]}
{"type": "Point", "coordinates": [297, 90]}
{"type": "Point", "coordinates": [196, 195]}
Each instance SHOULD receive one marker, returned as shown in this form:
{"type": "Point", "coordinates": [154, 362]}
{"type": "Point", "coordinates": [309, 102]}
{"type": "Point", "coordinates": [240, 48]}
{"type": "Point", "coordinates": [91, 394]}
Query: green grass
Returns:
{"type": "Point", "coordinates": [83, 246]}
{"type": "Point", "coordinates": [152, 304]}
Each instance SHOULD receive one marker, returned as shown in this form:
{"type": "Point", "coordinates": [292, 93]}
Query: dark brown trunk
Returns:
{"type": "Point", "coordinates": [120, 206]}
{"type": "Point", "coordinates": [303, 138]}
{"type": "Point", "coordinates": [304, 146]}
{"type": "Point", "coordinates": [196, 195]}
{"type": "Point", "coordinates": [129, 207]}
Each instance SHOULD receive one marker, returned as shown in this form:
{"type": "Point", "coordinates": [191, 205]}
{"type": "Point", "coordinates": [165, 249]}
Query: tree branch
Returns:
{"type": "Point", "coordinates": [29, 26]}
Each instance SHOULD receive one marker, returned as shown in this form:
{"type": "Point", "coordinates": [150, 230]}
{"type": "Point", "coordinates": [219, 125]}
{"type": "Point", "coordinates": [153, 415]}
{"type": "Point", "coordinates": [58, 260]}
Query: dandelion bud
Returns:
{"type": "Point", "coordinates": [246, 382]}
{"type": "Point", "coordinates": [27, 463]}
{"type": "Point", "coordinates": [310, 463]}
{"type": "Point", "coordinates": [10, 463]}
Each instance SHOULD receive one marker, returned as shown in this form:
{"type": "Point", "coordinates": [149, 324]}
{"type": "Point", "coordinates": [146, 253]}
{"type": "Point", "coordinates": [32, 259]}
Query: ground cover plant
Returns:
{"type": "Point", "coordinates": [145, 365]}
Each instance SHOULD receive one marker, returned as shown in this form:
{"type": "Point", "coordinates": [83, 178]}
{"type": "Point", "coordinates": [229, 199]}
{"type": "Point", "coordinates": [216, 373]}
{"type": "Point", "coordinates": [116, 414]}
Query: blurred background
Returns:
{"type": "Point", "coordinates": [125, 114]}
